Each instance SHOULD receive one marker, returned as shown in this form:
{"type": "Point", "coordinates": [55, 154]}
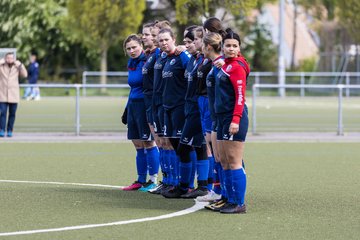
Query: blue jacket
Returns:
{"type": "Point", "coordinates": [135, 79]}
{"type": "Point", "coordinates": [33, 72]}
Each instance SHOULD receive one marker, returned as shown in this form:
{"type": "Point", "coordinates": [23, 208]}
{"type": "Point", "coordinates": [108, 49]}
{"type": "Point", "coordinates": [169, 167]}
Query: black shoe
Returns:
{"type": "Point", "coordinates": [216, 206]}
{"type": "Point", "coordinates": [166, 189]}
{"type": "Point", "coordinates": [200, 191]}
{"type": "Point", "coordinates": [233, 208]}
{"type": "Point", "coordinates": [176, 192]}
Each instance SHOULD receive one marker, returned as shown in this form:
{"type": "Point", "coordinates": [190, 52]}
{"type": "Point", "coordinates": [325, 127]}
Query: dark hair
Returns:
{"type": "Point", "coordinates": [167, 30]}
{"type": "Point", "coordinates": [231, 35]}
{"type": "Point", "coordinates": [213, 24]}
{"type": "Point", "coordinates": [9, 53]}
{"type": "Point", "coordinates": [213, 40]}
{"type": "Point", "coordinates": [132, 37]}
{"type": "Point", "coordinates": [190, 32]}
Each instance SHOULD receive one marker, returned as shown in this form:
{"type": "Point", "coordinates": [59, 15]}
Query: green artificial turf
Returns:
{"type": "Point", "coordinates": [295, 191]}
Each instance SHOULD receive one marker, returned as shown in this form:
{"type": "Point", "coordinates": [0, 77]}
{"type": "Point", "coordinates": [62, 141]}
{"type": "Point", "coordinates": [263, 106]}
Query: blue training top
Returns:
{"type": "Point", "coordinates": [33, 72]}
{"type": "Point", "coordinates": [148, 72]}
{"type": "Point", "coordinates": [135, 79]}
{"type": "Point", "coordinates": [191, 73]}
{"type": "Point", "coordinates": [210, 84]}
{"type": "Point", "coordinates": [175, 81]}
{"type": "Point", "coordinates": [158, 87]}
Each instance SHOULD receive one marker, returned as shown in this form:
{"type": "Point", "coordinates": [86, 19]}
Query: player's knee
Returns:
{"type": "Point", "coordinates": [201, 152]}
{"type": "Point", "coordinates": [183, 152]}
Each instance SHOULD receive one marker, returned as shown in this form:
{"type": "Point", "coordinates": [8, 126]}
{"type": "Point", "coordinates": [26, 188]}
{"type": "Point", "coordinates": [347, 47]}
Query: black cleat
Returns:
{"type": "Point", "coordinates": [216, 206]}
{"type": "Point", "coordinates": [233, 208]}
{"type": "Point", "coordinates": [176, 192]}
{"type": "Point", "coordinates": [158, 189]}
{"type": "Point", "coordinates": [200, 191]}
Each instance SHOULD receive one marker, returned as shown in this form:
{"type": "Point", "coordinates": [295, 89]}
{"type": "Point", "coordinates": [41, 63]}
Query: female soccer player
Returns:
{"type": "Point", "coordinates": [174, 93]}
{"type": "Point", "coordinates": [167, 153]}
{"type": "Point", "coordinates": [212, 50]}
{"type": "Point", "coordinates": [138, 128]}
{"type": "Point", "coordinates": [231, 110]}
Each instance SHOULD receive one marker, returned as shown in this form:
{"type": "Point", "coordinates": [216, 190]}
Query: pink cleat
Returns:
{"type": "Point", "coordinates": [135, 186]}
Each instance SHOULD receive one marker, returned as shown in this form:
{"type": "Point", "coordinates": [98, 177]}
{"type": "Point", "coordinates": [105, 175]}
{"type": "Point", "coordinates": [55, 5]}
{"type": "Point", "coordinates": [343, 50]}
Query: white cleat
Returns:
{"type": "Point", "coordinates": [210, 197]}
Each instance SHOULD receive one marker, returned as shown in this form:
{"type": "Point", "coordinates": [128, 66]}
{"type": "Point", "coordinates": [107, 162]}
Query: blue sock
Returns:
{"type": "Point", "coordinates": [185, 172]}
{"type": "Point", "coordinates": [202, 170]}
{"type": "Point", "coordinates": [141, 165]}
{"type": "Point", "coordinates": [211, 173]}
{"type": "Point", "coordinates": [222, 184]}
{"type": "Point", "coordinates": [193, 168]}
{"type": "Point", "coordinates": [228, 186]}
{"type": "Point", "coordinates": [152, 158]}
{"type": "Point", "coordinates": [167, 163]}
{"type": "Point", "coordinates": [217, 177]}
{"type": "Point", "coordinates": [161, 162]}
{"type": "Point", "coordinates": [174, 168]}
{"type": "Point", "coordinates": [239, 185]}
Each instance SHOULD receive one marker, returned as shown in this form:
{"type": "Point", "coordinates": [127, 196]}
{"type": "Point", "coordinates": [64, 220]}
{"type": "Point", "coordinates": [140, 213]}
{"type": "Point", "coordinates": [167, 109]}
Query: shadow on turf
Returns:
{"type": "Point", "coordinates": [121, 199]}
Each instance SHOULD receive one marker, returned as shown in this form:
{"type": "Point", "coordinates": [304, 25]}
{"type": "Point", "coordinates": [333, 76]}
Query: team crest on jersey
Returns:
{"type": "Point", "coordinates": [205, 61]}
{"type": "Point", "coordinates": [163, 55]}
{"type": "Point", "coordinates": [150, 59]}
{"type": "Point", "coordinates": [172, 62]}
{"type": "Point", "coordinates": [228, 68]}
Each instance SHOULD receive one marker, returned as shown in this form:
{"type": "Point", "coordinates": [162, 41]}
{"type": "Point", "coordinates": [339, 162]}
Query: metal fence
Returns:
{"type": "Point", "coordinates": [78, 87]}
{"type": "Point", "coordinates": [339, 87]}
{"type": "Point", "coordinates": [302, 78]}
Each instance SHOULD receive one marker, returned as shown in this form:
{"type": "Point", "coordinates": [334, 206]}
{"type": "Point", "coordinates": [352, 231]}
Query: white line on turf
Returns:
{"type": "Point", "coordinates": [196, 207]}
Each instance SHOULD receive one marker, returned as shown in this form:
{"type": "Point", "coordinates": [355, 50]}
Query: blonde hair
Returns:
{"type": "Point", "coordinates": [199, 31]}
{"type": "Point", "coordinates": [163, 24]}
{"type": "Point", "coordinates": [214, 40]}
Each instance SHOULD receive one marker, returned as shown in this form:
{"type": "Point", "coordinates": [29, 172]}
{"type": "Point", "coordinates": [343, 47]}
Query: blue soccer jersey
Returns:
{"type": "Point", "coordinates": [135, 78]}
{"type": "Point", "coordinates": [148, 72]}
{"type": "Point", "coordinates": [173, 76]}
{"type": "Point", "coordinates": [202, 72]}
{"type": "Point", "coordinates": [210, 84]}
{"type": "Point", "coordinates": [192, 79]}
{"type": "Point", "coordinates": [230, 87]}
{"type": "Point", "coordinates": [158, 87]}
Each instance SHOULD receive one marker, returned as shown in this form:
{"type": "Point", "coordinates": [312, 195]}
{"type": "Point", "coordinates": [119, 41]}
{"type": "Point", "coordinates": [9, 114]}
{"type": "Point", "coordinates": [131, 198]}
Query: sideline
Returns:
{"type": "Point", "coordinates": [198, 206]}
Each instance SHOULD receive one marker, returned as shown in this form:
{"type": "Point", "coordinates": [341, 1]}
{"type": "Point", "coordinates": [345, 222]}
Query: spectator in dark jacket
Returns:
{"type": "Point", "coordinates": [33, 93]}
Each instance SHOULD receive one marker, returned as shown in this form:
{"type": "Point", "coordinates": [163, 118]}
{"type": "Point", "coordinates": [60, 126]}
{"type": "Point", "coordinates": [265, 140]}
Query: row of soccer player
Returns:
{"type": "Point", "coordinates": [186, 113]}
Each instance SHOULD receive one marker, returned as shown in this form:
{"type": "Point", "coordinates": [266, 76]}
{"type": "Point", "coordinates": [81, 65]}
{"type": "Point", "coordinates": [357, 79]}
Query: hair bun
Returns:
{"type": "Point", "coordinates": [229, 30]}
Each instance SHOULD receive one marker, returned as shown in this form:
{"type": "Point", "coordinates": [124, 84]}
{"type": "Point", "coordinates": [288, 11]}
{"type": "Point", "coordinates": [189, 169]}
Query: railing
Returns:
{"type": "Point", "coordinates": [86, 74]}
{"type": "Point", "coordinates": [338, 78]}
{"type": "Point", "coordinates": [340, 87]}
{"type": "Point", "coordinates": [77, 96]}
{"type": "Point", "coordinates": [255, 87]}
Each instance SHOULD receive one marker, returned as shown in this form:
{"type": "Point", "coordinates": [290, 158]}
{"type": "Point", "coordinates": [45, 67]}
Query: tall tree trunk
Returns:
{"type": "Point", "coordinates": [294, 36]}
{"type": "Point", "coordinates": [103, 68]}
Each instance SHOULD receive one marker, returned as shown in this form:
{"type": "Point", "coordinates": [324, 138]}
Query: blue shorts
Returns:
{"type": "Point", "coordinates": [206, 121]}
{"type": "Point", "coordinates": [158, 119]}
{"type": "Point", "coordinates": [224, 121]}
{"type": "Point", "coordinates": [174, 120]}
{"type": "Point", "coordinates": [192, 133]}
{"type": "Point", "coordinates": [138, 128]}
{"type": "Point", "coordinates": [148, 106]}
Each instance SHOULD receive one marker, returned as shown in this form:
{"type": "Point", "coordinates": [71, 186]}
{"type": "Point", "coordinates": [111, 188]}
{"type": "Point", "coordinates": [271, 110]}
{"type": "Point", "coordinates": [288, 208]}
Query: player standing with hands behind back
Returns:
{"type": "Point", "coordinates": [10, 71]}
{"type": "Point", "coordinates": [230, 107]}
